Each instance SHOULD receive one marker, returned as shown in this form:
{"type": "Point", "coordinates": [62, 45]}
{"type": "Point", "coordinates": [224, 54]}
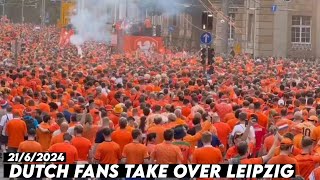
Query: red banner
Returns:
{"type": "Point", "coordinates": [65, 36]}
{"type": "Point", "coordinates": [143, 43]}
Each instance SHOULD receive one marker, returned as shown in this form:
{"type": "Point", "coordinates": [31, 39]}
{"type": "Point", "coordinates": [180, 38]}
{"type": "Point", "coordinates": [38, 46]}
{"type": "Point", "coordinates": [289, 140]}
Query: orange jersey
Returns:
{"type": "Point", "coordinates": [135, 153]}
{"type": "Point", "coordinates": [307, 163]}
{"type": "Point", "coordinates": [83, 146]}
{"type": "Point", "coordinates": [108, 152]}
{"type": "Point", "coordinates": [16, 131]}
{"type": "Point", "coordinates": [307, 127]}
{"type": "Point", "coordinates": [167, 153]}
{"type": "Point", "coordinates": [207, 155]}
{"type": "Point", "coordinates": [284, 159]}
{"type": "Point", "coordinates": [70, 150]}
{"type": "Point", "coordinates": [121, 137]}
{"type": "Point", "coordinates": [29, 146]}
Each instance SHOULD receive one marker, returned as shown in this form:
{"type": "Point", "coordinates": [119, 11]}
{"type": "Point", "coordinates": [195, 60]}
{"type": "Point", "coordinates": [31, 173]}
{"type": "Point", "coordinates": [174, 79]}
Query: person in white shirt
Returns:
{"type": "Point", "coordinates": [243, 117]}
{"type": "Point", "coordinates": [3, 124]}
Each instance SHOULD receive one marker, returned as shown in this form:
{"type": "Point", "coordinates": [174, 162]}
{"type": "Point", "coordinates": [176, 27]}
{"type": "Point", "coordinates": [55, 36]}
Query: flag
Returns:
{"type": "Point", "coordinates": [65, 36]}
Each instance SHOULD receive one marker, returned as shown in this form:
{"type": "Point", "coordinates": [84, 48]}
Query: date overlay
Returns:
{"type": "Point", "coordinates": [34, 157]}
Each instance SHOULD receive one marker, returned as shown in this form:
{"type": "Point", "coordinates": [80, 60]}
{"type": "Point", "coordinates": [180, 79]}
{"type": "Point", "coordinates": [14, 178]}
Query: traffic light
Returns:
{"type": "Point", "coordinates": [23, 47]}
{"type": "Point", "coordinates": [9, 46]}
{"type": "Point", "coordinates": [207, 20]}
{"type": "Point", "coordinates": [211, 55]}
{"type": "Point", "coordinates": [203, 55]}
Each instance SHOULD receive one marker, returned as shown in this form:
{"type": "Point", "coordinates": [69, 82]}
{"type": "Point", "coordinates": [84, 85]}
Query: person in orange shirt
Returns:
{"type": "Point", "coordinates": [233, 122]}
{"type": "Point", "coordinates": [171, 121]}
{"type": "Point", "coordinates": [223, 129]}
{"type": "Point", "coordinates": [66, 147]}
{"type": "Point", "coordinates": [286, 148]}
{"type": "Point", "coordinates": [108, 152]}
{"type": "Point", "coordinates": [295, 151]}
{"type": "Point", "coordinates": [158, 129]}
{"type": "Point", "coordinates": [30, 145]}
{"type": "Point", "coordinates": [262, 118]}
{"type": "Point", "coordinates": [180, 132]}
{"type": "Point", "coordinates": [44, 138]}
{"type": "Point", "coordinates": [166, 152]}
{"type": "Point", "coordinates": [207, 154]}
{"type": "Point", "coordinates": [90, 130]}
{"type": "Point", "coordinates": [59, 137]}
{"type": "Point", "coordinates": [151, 142]}
{"type": "Point", "coordinates": [82, 144]}
{"type": "Point", "coordinates": [17, 104]}
{"type": "Point", "coordinates": [306, 161]}
{"type": "Point", "coordinates": [135, 152]}
{"type": "Point", "coordinates": [115, 115]}
{"type": "Point", "coordinates": [122, 136]}
{"type": "Point", "coordinates": [16, 131]}
{"type": "Point", "coordinates": [44, 106]}
{"type": "Point", "coordinates": [180, 119]}
{"type": "Point", "coordinates": [315, 174]}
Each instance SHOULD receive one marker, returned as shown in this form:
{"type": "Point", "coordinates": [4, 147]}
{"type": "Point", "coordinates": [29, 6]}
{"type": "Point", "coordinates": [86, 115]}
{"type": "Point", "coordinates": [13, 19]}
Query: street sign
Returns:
{"type": "Point", "coordinates": [206, 38]}
{"type": "Point", "coordinates": [274, 8]}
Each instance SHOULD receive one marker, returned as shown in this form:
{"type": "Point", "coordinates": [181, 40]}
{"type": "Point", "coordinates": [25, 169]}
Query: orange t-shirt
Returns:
{"type": "Point", "coordinates": [258, 160]}
{"type": "Point", "coordinates": [90, 133]}
{"type": "Point", "coordinates": [159, 130]}
{"type": "Point", "coordinates": [70, 150]}
{"type": "Point", "coordinates": [29, 146]}
{"type": "Point", "coordinates": [57, 139]}
{"type": "Point", "coordinates": [268, 142]}
{"type": "Point", "coordinates": [262, 119]}
{"type": "Point", "coordinates": [223, 131]}
{"type": "Point", "coordinates": [108, 152]}
{"type": "Point", "coordinates": [135, 153]}
{"type": "Point", "coordinates": [16, 130]}
{"type": "Point", "coordinates": [315, 173]}
{"type": "Point", "coordinates": [121, 137]}
{"type": "Point", "coordinates": [167, 153]}
{"type": "Point", "coordinates": [207, 126]}
{"type": "Point", "coordinates": [83, 145]}
{"type": "Point", "coordinates": [297, 140]}
{"type": "Point", "coordinates": [44, 138]}
{"type": "Point", "coordinates": [44, 107]}
{"type": "Point", "coordinates": [207, 155]}
{"type": "Point", "coordinates": [284, 159]}
{"type": "Point", "coordinates": [307, 163]}
{"type": "Point", "coordinates": [315, 134]}
{"type": "Point", "coordinates": [233, 122]}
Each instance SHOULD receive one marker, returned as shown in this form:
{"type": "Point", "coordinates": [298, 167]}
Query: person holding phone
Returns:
{"type": "Point", "coordinates": [241, 127]}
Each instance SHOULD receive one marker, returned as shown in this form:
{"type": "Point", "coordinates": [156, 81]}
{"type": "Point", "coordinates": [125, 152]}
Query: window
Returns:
{"type": "Point", "coordinates": [174, 20]}
{"type": "Point", "coordinates": [250, 34]}
{"type": "Point", "coordinates": [231, 30]}
{"type": "Point", "coordinates": [301, 29]}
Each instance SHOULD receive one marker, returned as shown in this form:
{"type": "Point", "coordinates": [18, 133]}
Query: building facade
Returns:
{"type": "Point", "coordinates": [272, 28]}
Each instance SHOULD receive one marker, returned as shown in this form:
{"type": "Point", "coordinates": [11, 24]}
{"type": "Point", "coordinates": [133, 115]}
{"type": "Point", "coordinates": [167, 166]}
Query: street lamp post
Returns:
{"type": "Point", "coordinates": [3, 7]}
{"type": "Point", "coordinates": [43, 12]}
{"type": "Point", "coordinates": [22, 11]}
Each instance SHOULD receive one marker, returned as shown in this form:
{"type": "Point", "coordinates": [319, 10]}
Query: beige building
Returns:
{"type": "Point", "coordinates": [291, 30]}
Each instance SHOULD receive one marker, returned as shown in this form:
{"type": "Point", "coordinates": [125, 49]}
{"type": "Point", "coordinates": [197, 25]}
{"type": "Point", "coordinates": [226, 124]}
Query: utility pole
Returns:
{"type": "Point", "coordinates": [224, 26]}
{"type": "Point", "coordinates": [43, 12]}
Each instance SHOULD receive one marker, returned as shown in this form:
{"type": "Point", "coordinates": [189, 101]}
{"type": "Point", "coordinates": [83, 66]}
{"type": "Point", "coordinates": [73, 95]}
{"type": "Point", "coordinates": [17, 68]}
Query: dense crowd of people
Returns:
{"type": "Point", "coordinates": [131, 108]}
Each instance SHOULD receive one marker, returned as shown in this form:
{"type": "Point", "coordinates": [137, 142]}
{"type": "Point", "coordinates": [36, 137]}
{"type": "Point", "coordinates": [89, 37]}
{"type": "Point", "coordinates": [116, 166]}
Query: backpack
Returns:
{"type": "Point", "coordinates": [29, 122]}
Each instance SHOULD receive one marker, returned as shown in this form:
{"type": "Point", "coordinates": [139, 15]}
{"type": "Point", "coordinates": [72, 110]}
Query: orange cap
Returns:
{"type": "Point", "coordinates": [286, 141]}
{"type": "Point", "coordinates": [313, 118]}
